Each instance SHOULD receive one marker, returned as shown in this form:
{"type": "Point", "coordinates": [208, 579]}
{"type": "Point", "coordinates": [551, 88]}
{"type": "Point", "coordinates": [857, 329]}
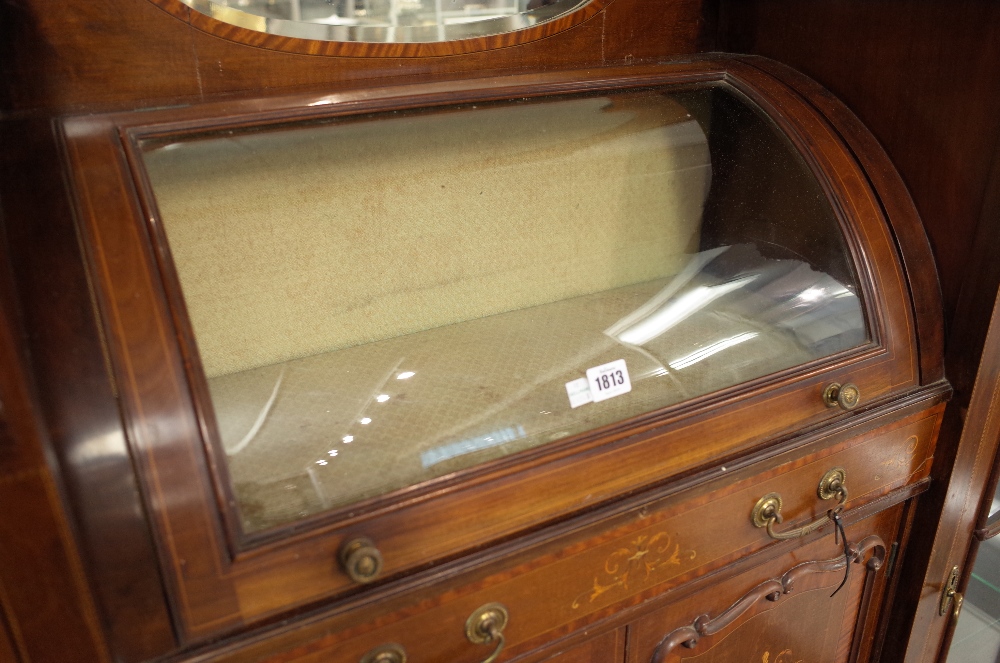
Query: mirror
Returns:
{"type": "Point", "coordinates": [385, 21]}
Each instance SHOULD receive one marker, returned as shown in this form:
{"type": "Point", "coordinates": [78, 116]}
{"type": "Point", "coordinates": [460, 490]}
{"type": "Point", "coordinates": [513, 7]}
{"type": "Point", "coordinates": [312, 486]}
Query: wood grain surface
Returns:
{"type": "Point", "coordinates": [132, 54]}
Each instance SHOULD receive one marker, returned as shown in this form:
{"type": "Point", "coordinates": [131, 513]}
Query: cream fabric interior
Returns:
{"type": "Point", "coordinates": [296, 242]}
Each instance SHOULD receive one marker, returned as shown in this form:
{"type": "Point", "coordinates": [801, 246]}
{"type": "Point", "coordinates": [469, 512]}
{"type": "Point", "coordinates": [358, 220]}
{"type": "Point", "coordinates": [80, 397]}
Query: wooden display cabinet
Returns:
{"type": "Point", "coordinates": [258, 277]}
{"type": "Point", "coordinates": [568, 531]}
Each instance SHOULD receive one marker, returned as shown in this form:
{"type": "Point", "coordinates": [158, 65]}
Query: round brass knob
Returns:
{"type": "Point", "coordinates": [845, 396]}
{"type": "Point", "coordinates": [767, 508]}
{"type": "Point", "coordinates": [833, 484]}
{"type": "Point", "coordinates": [388, 653]}
{"type": "Point", "coordinates": [361, 560]}
{"type": "Point", "coordinates": [486, 625]}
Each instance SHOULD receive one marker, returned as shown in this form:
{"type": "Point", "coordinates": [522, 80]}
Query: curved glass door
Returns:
{"type": "Point", "coordinates": [386, 299]}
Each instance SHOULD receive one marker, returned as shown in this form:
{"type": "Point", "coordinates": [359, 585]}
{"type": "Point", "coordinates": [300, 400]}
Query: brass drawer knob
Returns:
{"type": "Point", "coordinates": [845, 396]}
{"type": "Point", "coordinates": [388, 653]}
{"type": "Point", "coordinates": [485, 625]}
{"type": "Point", "coordinates": [361, 560]}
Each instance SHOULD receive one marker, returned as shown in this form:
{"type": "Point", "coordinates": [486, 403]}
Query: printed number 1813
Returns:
{"type": "Point", "coordinates": [609, 380]}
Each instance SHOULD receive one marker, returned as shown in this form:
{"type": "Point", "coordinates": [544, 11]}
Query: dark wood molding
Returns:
{"type": "Point", "coordinates": [76, 401]}
{"type": "Point", "coordinates": [86, 58]}
{"type": "Point", "coordinates": [47, 612]}
{"type": "Point", "coordinates": [908, 81]}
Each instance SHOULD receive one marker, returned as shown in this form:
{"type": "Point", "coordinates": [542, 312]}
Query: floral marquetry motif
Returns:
{"type": "Point", "coordinates": [903, 460]}
{"type": "Point", "coordinates": [636, 563]}
{"type": "Point", "coordinates": [784, 656]}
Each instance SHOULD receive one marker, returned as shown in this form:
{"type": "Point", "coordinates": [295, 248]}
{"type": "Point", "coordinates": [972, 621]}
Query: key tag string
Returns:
{"type": "Point", "coordinates": [840, 535]}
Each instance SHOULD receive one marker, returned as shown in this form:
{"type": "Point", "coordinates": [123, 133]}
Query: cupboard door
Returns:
{"type": "Point", "coordinates": [967, 526]}
{"type": "Point", "coordinates": [789, 609]}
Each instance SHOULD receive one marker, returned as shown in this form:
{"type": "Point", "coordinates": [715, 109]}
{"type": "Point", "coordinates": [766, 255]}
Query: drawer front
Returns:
{"type": "Point", "coordinates": [597, 570]}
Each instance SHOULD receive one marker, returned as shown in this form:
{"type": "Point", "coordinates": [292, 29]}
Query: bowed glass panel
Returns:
{"type": "Point", "coordinates": [386, 299]}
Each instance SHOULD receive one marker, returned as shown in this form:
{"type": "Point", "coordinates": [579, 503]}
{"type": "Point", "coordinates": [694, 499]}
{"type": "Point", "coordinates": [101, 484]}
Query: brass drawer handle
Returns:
{"type": "Point", "coordinates": [767, 511]}
{"type": "Point", "coordinates": [361, 560]}
{"type": "Point", "coordinates": [388, 653]}
{"type": "Point", "coordinates": [486, 625]}
{"type": "Point", "coordinates": [845, 396]}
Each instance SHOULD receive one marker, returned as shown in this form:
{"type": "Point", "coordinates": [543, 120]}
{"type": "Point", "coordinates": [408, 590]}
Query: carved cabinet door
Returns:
{"type": "Point", "coordinates": [814, 604]}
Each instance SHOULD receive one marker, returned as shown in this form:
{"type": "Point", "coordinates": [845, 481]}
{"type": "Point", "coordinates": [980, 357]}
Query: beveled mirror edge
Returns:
{"type": "Point", "coordinates": [240, 31]}
{"type": "Point", "coordinates": [379, 34]}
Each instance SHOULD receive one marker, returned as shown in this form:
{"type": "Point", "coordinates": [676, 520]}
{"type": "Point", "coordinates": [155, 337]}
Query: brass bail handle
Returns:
{"type": "Point", "coordinates": [486, 625]}
{"type": "Point", "coordinates": [767, 511]}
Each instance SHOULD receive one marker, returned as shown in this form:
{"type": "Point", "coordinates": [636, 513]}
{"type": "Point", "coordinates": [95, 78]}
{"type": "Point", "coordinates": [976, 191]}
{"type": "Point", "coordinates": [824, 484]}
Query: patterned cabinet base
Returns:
{"type": "Point", "coordinates": [791, 609]}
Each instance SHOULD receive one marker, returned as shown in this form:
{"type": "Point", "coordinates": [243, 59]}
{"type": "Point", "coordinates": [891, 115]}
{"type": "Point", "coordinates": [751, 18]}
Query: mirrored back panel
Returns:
{"type": "Point", "coordinates": [385, 299]}
{"type": "Point", "coordinates": [385, 21]}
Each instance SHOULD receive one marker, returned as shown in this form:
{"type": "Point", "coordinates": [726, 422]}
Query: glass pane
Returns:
{"type": "Point", "coordinates": [977, 634]}
{"type": "Point", "coordinates": [383, 300]}
{"type": "Point", "coordinates": [994, 506]}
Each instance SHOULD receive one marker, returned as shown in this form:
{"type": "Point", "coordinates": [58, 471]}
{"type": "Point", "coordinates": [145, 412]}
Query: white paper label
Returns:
{"type": "Point", "coordinates": [579, 392]}
{"type": "Point", "coordinates": [608, 380]}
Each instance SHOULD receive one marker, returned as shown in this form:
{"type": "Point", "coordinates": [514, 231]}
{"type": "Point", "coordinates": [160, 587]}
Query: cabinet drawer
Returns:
{"type": "Point", "coordinates": [581, 573]}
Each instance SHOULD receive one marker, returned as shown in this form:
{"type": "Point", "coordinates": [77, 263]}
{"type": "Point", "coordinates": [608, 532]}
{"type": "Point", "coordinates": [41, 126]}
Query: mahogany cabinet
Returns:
{"type": "Point", "coordinates": [601, 359]}
{"type": "Point", "coordinates": [563, 345]}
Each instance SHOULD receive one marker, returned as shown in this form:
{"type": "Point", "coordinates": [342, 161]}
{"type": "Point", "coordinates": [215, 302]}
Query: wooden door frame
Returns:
{"type": "Point", "coordinates": [969, 488]}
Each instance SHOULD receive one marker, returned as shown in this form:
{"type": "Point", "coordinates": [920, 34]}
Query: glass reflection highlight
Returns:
{"type": "Point", "coordinates": [705, 353]}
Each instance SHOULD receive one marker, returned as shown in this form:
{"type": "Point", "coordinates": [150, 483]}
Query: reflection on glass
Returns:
{"type": "Point", "coordinates": [387, 299]}
{"type": "Point", "coordinates": [977, 634]}
{"type": "Point", "coordinates": [381, 21]}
